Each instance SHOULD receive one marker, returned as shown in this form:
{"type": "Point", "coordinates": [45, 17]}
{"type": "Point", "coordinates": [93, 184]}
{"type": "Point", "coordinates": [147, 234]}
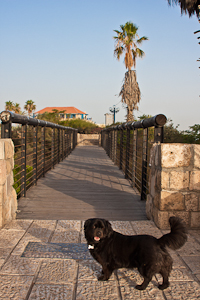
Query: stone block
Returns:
{"type": "Point", "coordinates": [1, 217]}
{"type": "Point", "coordinates": [152, 159]}
{"type": "Point", "coordinates": [158, 180]}
{"type": "Point", "coordinates": [152, 185]}
{"type": "Point", "coordinates": [171, 201]}
{"type": "Point", "coordinates": [175, 155]}
{"type": "Point", "coordinates": [2, 193]}
{"type": "Point", "coordinates": [195, 180]}
{"type": "Point", "coordinates": [156, 200]}
{"type": "Point", "coordinates": [165, 180]}
{"type": "Point", "coordinates": [191, 202]}
{"type": "Point", "coordinates": [10, 183]}
{"type": "Point", "coordinates": [195, 219]}
{"type": "Point", "coordinates": [179, 180]}
{"type": "Point", "coordinates": [3, 175]}
{"type": "Point", "coordinates": [14, 204]}
{"type": "Point", "coordinates": [196, 156]}
{"type": "Point", "coordinates": [161, 218]}
{"type": "Point", "coordinates": [183, 215]}
{"type": "Point", "coordinates": [2, 152]}
{"type": "Point", "coordinates": [9, 149]}
{"type": "Point", "coordinates": [8, 166]}
{"type": "Point", "coordinates": [149, 207]}
{"type": "Point", "coordinates": [6, 210]}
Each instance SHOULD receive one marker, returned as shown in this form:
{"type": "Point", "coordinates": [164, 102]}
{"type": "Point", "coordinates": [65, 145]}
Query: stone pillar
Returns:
{"type": "Point", "coordinates": [174, 184]}
{"type": "Point", "coordinates": [8, 197]}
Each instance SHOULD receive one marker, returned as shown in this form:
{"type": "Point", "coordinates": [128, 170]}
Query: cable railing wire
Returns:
{"type": "Point", "coordinates": [128, 145]}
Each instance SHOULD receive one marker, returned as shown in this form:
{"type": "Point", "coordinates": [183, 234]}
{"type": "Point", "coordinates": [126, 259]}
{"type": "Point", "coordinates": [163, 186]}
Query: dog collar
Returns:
{"type": "Point", "coordinates": [90, 246]}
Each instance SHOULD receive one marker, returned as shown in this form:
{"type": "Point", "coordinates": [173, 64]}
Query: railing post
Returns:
{"type": "Point", "coordinates": [127, 151]}
{"type": "Point", "coordinates": [144, 164]}
{"type": "Point", "coordinates": [73, 139]}
{"type": "Point", "coordinates": [114, 145]}
{"type": "Point", "coordinates": [43, 149]}
{"type": "Point", "coordinates": [61, 143]}
{"type": "Point", "coordinates": [134, 165]}
{"type": "Point", "coordinates": [6, 130]}
{"type": "Point", "coordinates": [158, 134]}
{"type": "Point", "coordinates": [23, 160]}
{"type": "Point", "coordinates": [64, 143]}
{"type": "Point", "coordinates": [35, 152]}
{"type": "Point", "coordinates": [52, 147]}
{"type": "Point", "coordinates": [58, 140]}
{"type": "Point", "coordinates": [121, 148]}
{"type": "Point", "coordinates": [109, 143]}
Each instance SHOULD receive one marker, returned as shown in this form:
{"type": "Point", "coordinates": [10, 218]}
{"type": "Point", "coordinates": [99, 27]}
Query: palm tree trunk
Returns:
{"type": "Point", "coordinates": [130, 93]}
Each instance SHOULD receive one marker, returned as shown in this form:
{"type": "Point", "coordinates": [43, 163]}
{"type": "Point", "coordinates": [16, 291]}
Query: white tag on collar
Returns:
{"type": "Point", "coordinates": [90, 246]}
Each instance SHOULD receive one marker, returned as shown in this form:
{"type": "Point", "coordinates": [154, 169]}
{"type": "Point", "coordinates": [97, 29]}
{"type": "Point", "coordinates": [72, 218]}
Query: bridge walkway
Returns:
{"type": "Point", "coordinates": [86, 184]}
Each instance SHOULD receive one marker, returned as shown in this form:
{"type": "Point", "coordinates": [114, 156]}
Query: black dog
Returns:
{"type": "Point", "coordinates": [148, 254]}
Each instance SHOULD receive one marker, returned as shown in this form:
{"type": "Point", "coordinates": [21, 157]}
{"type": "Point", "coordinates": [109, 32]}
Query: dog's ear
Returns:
{"type": "Point", "coordinates": [109, 229]}
{"type": "Point", "coordinates": [86, 224]}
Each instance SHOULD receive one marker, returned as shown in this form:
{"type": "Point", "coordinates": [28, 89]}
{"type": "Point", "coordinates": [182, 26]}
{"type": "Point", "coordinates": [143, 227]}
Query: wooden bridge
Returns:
{"type": "Point", "coordinates": [85, 184]}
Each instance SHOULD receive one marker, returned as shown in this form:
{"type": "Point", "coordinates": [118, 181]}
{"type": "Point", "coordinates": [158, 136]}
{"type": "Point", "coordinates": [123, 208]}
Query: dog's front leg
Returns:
{"type": "Point", "coordinates": [105, 273]}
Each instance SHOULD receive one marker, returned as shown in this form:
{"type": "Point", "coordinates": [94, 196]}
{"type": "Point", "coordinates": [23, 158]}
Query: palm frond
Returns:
{"type": "Point", "coordinates": [140, 40]}
{"type": "Point", "coordinates": [118, 52]}
{"type": "Point", "coordinates": [189, 7]}
{"type": "Point", "coordinates": [139, 52]}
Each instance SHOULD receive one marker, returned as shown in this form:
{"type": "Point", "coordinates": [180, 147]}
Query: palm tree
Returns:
{"type": "Point", "coordinates": [187, 6]}
{"type": "Point", "coordinates": [126, 43]}
{"type": "Point", "coordinates": [30, 106]}
{"type": "Point", "coordinates": [9, 105]}
{"type": "Point", "coordinates": [17, 108]}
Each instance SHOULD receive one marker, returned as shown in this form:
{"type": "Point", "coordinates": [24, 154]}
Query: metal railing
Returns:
{"type": "Point", "coordinates": [39, 145]}
{"type": "Point", "coordinates": [128, 145]}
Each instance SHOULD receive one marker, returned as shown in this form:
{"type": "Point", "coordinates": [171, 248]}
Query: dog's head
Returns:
{"type": "Point", "coordinates": [97, 230]}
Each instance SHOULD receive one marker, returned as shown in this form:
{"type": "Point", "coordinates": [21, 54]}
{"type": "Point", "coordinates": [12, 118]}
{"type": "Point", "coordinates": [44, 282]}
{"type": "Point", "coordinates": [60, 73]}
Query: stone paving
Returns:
{"type": "Point", "coordinates": [48, 259]}
{"type": "Point", "coordinates": [44, 256]}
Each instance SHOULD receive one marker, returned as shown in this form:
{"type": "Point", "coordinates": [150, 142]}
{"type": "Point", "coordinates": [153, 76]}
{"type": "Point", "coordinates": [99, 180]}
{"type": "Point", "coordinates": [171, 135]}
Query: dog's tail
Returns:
{"type": "Point", "coordinates": [178, 235]}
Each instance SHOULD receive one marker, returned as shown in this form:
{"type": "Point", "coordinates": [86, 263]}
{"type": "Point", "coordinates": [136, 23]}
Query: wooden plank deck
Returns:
{"type": "Point", "coordinates": [86, 184]}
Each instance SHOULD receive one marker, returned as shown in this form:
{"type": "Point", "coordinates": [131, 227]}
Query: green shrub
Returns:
{"type": "Point", "coordinates": [17, 176]}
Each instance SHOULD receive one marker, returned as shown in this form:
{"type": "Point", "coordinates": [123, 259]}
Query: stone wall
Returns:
{"type": "Point", "coordinates": [88, 139]}
{"type": "Point", "coordinates": [174, 184]}
{"type": "Point", "coordinates": [8, 197]}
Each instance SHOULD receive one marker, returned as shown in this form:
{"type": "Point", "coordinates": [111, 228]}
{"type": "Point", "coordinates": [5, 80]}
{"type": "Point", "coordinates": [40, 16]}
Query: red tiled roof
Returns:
{"type": "Point", "coordinates": [67, 110]}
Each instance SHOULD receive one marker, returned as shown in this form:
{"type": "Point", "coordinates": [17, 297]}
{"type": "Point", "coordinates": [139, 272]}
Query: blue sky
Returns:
{"type": "Point", "coordinates": [60, 53]}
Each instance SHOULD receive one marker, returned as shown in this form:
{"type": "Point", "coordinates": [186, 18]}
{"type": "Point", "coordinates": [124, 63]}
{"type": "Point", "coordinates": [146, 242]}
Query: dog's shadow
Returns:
{"type": "Point", "coordinates": [91, 270]}
{"type": "Point", "coordinates": [132, 277]}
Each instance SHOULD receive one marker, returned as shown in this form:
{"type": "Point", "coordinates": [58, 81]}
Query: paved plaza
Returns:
{"type": "Point", "coordinates": [48, 259]}
{"type": "Point", "coordinates": [44, 256]}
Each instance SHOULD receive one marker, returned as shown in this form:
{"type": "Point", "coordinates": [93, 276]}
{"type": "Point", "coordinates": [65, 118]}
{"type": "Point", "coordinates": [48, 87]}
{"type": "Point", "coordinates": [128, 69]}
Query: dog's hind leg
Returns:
{"type": "Point", "coordinates": [144, 284]}
{"type": "Point", "coordinates": [165, 284]}
{"type": "Point", "coordinates": [165, 272]}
